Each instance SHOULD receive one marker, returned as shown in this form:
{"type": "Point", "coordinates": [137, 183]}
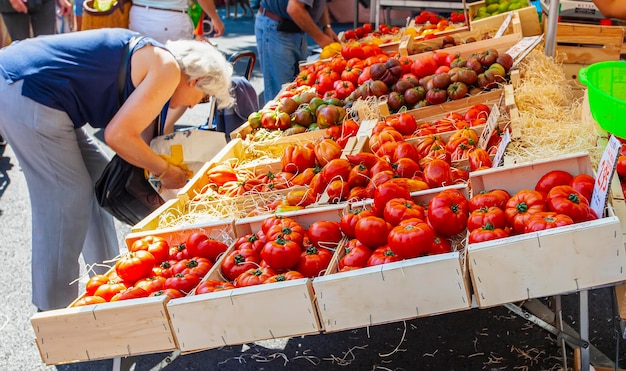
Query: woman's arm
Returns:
{"type": "Point", "coordinates": [209, 8]}
{"type": "Point", "coordinates": [156, 76]}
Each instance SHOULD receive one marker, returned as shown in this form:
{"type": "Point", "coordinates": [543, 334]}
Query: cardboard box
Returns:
{"type": "Point", "coordinates": [554, 261]}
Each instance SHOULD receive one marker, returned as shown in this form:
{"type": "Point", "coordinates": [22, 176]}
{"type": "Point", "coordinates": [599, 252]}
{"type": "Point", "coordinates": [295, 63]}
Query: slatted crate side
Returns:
{"type": "Point", "coordinates": [406, 45]}
{"type": "Point", "coordinates": [152, 221]}
{"type": "Point", "coordinates": [501, 44]}
{"type": "Point", "coordinates": [395, 291]}
{"type": "Point", "coordinates": [221, 230]}
{"type": "Point", "coordinates": [529, 19]}
{"type": "Point", "coordinates": [245, 129]}
{"type": "Point", "coordinates": [588, 254]}
{"type": "Point", "coordinates": [102, 331]}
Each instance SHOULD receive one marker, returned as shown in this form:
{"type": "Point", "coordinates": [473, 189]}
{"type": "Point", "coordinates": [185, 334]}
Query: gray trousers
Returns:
{"type": "Point", "coordinates": [42, 21]}
{"type": "Point", "coordinates": [60, 164]}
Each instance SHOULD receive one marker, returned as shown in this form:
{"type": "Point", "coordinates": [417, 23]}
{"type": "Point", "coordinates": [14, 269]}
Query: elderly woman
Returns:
{"type": "Point", "coordinates": [52, 86]}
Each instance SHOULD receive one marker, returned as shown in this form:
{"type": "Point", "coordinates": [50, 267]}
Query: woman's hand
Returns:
{"type": "Point", "coordinates": [173, 177]}
{"type": "Point", "coordinates": [19, 6]}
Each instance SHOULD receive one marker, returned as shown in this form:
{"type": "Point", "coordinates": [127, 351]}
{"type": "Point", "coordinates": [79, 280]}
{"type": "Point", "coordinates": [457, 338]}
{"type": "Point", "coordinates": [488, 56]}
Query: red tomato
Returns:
{"type": "Point", "coordinates": [411, 241]}
{"type": "Point", "coordinates": [338, 168]}
{"type": "Point", "coordinates": [286, 276]}
{"type": "Point", "coordinates": [134, 266]}
{"type": "Point", "coordinates": [179, 252]}
{"type": "Point", "coordinates": [288, 229]}
{"type": "Point", "coordinates": [521, 205]}
{"type": "Point", "coordinates": [424, 65]}
{"type": "Point", "coordinates": [94, 282]}
{"type": "Point", "coordinates": [584, 184]}
{"type": "Point", "coordinates": [198, 266]}
{"type": "Point", "coordinates": [440, 246]}
{"type": "Point", "coordinates": [486, 233]}
{"type": "Point", "coordinates": [296, 158]}
{"type": "Point", "coordinates": [208, 286]}
{"type": "Point", "coordinates": [325, 234]}
{"type": "Point", "coordinates": [546, 220]}
{"type": "Point", "coordinates": [492, 216]}
{"type": "Point", "coordinates": [170, 293]}
{"type": "Point", "coordinates": [448, 212]}
{"type": "Point", "coordinates": [372, 231]}
{"type": "Point", "coordinates": [383, 255]}
{"type": "Point", "coordinates": [109, 289]}
{"type": "Point", "coordinates": [184, 282]}
{"type": "Point", "coordinates": [221, 174]}
{"type": "Point", "coordinates": [621, 166]}
{"type": "Point", "coordinates": [347, 223]}
{"type": "Point", "coordinates": [552, 179]}
{"type": "Point", "coordinates": [164, 269]}
{"type": "Point", "coordinates": [564, 199]}
{"type": "Point", "coordinates": [356, 255]}
{"type": "Point", "coordinates": [398, 209]}
{"type": "Point", "coordinates": [210, 249]}
{"type": "Point", "coordinates": [239, 261]}
{"type": "Point", "coordinates": [388, 191]}
{"type": "Point", "coordinates": [487, 199]}
{"type": "Point", "coordinates": [478, 158]}
{"type": "Point", "coordinates": [151, 284]}
{"type": "Point", "coordinates": [130, 293]}
{"type": "Point", "coordinates": [155, 245]}
{"type": "Point", "coordinates": [437, 173]}
{"type": "Point", "coordinates": [281, 253]}
{"type": "Point", "coordinates": [326, 150]}
{"type": "Point", "coordinates": [88, 300]}
{"type": "Point", "coordinates": [313, 261]}
{"type": "Point", "coordinates": [254, 276]}
{"type": "Point", "coordinates": [406, 168]}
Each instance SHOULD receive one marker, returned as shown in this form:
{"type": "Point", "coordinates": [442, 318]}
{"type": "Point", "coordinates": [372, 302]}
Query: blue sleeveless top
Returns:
{"type": "Point", "coordinates": [74, 72]}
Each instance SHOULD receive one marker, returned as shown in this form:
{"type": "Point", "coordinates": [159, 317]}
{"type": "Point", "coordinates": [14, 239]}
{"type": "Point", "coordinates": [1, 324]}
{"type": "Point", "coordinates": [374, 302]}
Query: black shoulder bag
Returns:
{"type": "Point", "coordinates": [123, 189]}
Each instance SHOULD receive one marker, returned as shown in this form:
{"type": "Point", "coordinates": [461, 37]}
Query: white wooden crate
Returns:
{"type": "Point", "coordinates": [554, 261]}
{"type": "Point", "coordinates": [249, 314]}
{"type": "Point", "coordinates": [396, 291]}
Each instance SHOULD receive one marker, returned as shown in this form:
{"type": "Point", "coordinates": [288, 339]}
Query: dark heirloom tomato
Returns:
{"type": "Point", "coordinates": [356, 255]}
{"type": "Point", "coordinates": [564, 199]}
{"type": "Point", "coordinates": [521, 206]}
{"type": "Point", "coordinates": [448, 212]}
{"type": "Point", "coordinates": [398, 209]}
{"type": "Point", "coordinates": [411, 241]}
{"type": "Point", "coordinates": [552, 179]}
{"type": "Point", "coordinates": [383, 255]}
{"type": "Point", "coordinates": [546, 220]}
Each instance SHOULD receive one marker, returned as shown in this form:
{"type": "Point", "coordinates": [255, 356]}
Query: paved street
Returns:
{"type": "Point", "coordinates": [476, 339]}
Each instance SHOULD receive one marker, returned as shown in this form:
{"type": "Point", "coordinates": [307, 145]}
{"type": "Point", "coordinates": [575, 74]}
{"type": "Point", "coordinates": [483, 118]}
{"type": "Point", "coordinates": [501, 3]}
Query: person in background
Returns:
{"type": "Point", "coordinates": [51, 87]}
{"type": "Point", "coordinates": [611, 8]}
{"type": "Point", "coordinates": [36, 15]}
{"type": "Point", "coordinates": [78, 14]}
{"type": "Point", "coordinates": [280, 28]}
{"type": "Point", "coordinates": [165, 20]}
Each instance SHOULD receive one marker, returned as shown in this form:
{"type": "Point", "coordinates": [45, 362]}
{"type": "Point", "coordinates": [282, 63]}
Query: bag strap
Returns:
{"type": "Point", "coordinates": [121, 80]}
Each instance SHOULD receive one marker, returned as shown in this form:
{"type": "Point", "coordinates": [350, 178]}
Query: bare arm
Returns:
{"type": "Point", "coordinates": [156, 76]}
{"type": "Point", "coordinates": [611, 8]}
{"type": "Point", "coordinates": [209, 8]}
{"type": "Point", "coordinates": [297, 11]}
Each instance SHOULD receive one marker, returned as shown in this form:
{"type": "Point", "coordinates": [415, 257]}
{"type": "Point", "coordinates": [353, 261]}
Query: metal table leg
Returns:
{"type": "Point", "coordinates": [584, 328]}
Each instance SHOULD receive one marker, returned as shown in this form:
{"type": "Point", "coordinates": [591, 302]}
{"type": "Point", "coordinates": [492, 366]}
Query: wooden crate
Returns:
{"type": "Point", "coordinates": [559, 260]}
{"type": "Point", "coordinates": [393, 292]}
{"type": "Point", "coordinates": [501, 44]}
{"type": "Point", "coordinates": [249, 314]}
{"type": "Point", "coordinates": [529, 18]}
{"type": "Point", "coordinates": [580, 45]}
{"type": "Point", "coordinates": [115, 329]}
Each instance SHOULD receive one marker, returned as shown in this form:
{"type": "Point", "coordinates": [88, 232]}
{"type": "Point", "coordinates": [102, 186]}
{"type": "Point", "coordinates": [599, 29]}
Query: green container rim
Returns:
{"type": "Point", "coordinates": [585, 71]}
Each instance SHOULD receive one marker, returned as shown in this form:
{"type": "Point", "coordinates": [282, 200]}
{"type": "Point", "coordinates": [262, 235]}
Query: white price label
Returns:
{"type": "Point", "coordinates": [490, 126]}
{"type": "Point", "coordinates": [606, 168]}
{"type": "Point", "coordinates": [504, 26]}
{"type": "Point", "coordinates": [506, 139]}
{"type": "Point", "coordinates": [523, 47]}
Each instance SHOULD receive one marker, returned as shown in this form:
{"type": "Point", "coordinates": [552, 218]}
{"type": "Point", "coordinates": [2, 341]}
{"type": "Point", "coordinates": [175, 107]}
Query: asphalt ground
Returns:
{"type": "Point", "coordinates": [475, 339]}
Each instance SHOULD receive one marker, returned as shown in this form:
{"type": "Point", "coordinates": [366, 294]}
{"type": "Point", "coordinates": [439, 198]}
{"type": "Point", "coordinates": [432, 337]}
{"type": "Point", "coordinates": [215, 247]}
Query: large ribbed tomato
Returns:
{"type": "Point", "coordinates": [297, 158]}
{"type": "Point", "coordinates": [411, 240]}
{"type": "Point", "coordinates": [448, 212]}
{"type": "Point", "coordinates": [521, 206]}
{"type": "Point", "coordinates": [134, 266]}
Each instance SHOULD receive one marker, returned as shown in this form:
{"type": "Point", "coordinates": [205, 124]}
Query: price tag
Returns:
{"type": "Point", "coordinates": [606, 168]}
{"type": "Point", "coordinates": [523, 47]}
{"type": "Point", "coordinates": [506, 139]}
{"type": "Point", "coordinates": [504, 26]}
{"type": "Point", "coordinates": [490, 126]}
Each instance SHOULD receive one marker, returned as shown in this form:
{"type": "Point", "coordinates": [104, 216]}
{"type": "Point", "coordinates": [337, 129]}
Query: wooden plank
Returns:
{"type": "Point", "coordinates": [529, 19]}
{"type": "Point", "coordinates": [101, 331]}
{"type": "Point", "coordinates": [586, 44]}
{"type": "Point", "coordinates": [559, 260]}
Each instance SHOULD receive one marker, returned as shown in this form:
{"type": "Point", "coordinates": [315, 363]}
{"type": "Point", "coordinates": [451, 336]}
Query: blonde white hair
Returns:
{"type": "Point", "coordinates": [202, 61]}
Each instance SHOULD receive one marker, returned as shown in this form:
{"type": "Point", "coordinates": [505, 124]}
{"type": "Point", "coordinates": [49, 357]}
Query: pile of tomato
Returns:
{"type": "Point", "coordinates": [281, 250]}
{"type": "Point", "coordinates": [558, 199]}
{"type": "Point", "coordinates": [154, 267]}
